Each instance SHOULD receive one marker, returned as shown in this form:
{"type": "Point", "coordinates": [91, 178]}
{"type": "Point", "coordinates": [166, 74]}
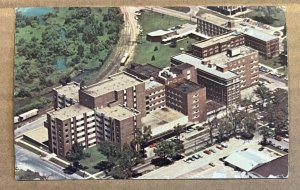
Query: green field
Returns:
{"type": "Point", "coordinates": [145, 49]}
{"type": "Point", "coordinates": [273, 16]}
{"type": "Point", "coordinates": [93, 160]}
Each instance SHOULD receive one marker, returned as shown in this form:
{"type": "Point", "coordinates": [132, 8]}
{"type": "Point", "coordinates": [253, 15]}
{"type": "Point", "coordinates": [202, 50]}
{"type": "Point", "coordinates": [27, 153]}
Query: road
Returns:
{"type": "Point", "coordinates": [125, 44]}
{"type": "Point", "coordinates": [27, 160]}
{"type": "Point", "coordinates": [30, 126]}
{"type": "Point", "coordinates": [171, 12]}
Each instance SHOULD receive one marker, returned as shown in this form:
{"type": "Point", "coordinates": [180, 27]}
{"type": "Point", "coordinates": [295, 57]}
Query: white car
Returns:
{"type": "Point", "coordinates": [224, 144]}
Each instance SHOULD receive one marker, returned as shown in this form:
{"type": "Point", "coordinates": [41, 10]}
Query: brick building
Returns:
{"type": "Point", "coordinates": [243, 61]}
{"type": "Point", "coordinates": [266, 44]}
{"type": "Point", "coordinates": [117, 124]}
{"type": "Point", "coordinates": [64, 96]}
{"type": "Point", "coordinates": [155, 95]}
{"type": "Point", "coordinates": [188, 98]}
{"type": "Point", "coordinates": [212, 25]}
{"type": "Point", "coordinates": [121, 88]}
{"type": "Point", "coordinates": [228, 10]}
{"type": "Point", "coordinates": [217, 44]}
{"type": "Point", "coordinates": [222, 85]}
{"type": "Point", "coordinates": [69, 125]}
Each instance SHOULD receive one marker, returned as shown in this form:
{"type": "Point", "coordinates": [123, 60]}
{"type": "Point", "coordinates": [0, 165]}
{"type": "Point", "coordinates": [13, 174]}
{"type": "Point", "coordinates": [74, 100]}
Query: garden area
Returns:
{"type": "Point", "coordinates": [93, 159]}
{"type": "Point", "coordinates": [154, 52]}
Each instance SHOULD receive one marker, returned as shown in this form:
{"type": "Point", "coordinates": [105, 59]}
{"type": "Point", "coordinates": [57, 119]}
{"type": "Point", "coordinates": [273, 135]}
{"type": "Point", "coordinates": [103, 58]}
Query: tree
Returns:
{"type": "Point", "coordinates": [224, 126]}
{"type": "Point", "coordinates": [155, 48]}
{"type": "Point", "coordinates": [76, 154]}
{"type": "Point", "coordinates": [152, 58]}
{"type": "Point", "coordinates": [80, 50]}
{"type": "Point", "coordinates": [178, 130]}
{"type": "Point", "coordinates": [169, 149]}
{"type": "Point", "coordinates": [246, 102]}
{"type": "Point", "coordinates": [249, 124]}
{"type": "Point", "coordinates": [142, 137]}
{"type": "Point", "coordinates": [262, 92]}
{"type": "Point", "coordinates": [266, 133]}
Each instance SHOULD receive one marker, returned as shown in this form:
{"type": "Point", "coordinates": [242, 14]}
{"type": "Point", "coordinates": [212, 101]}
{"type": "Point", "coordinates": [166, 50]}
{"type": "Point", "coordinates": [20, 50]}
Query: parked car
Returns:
{"type": "Point", "coordinates": [286, 150]}
{"type": "Point", "coordinates": [199, 156]}
{"type": "Point", "coordinates": [152, 145]}
{"type": "Point", "coordinates": [207, 152]}
{"type": "Point", "coordinates": [261, 149]}
{"type": "Point", "coordinates": [224, 144]}
{"type": "Point", "coordinates": [212, 164]}
{"type": "Point", "coordinates": [195, 157]}
{"type": "Point", "coordinates": [219, 147]}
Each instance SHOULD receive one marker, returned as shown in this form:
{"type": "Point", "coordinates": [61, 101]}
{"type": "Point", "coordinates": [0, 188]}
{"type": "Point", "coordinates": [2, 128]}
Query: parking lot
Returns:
{"type": "Point", "coordinates": [200, 168]}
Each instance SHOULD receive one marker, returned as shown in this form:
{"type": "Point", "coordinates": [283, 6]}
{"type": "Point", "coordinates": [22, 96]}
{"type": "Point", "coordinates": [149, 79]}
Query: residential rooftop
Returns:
{"type": "Point", "coordinates": [186, 86]}
{"type": "Point", "coordinates": [69, 112]}
{"type": "Point", "coordinates": [216, 40]}
{"type": "Point", "coordinates": [213, 19]}
{"type": "Point", "coordinates": [146, 71]}
{"type": "Point", "coordinates": [257, 34]}
{"type": "Point", "coordinates": [70, 90]}
{"type": "Point", "coordinates": [197, 62]}
{"type": "Point", "coordinates": [116, 82]}
{"type": "Point", "coordinates": [118, 112]}
{"type": "Point", "coordinates": [223, 58]}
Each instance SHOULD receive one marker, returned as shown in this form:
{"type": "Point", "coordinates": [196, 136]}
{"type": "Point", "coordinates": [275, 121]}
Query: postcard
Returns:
{"type": "Point", "coordinates": [195, 92]}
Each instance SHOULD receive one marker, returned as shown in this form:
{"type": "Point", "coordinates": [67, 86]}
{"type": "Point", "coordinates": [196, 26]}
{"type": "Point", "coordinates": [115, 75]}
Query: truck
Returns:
{"type": "Point", "coordinates": [28, 114]}
{"type": "Point", "coordinates": [124, 58]}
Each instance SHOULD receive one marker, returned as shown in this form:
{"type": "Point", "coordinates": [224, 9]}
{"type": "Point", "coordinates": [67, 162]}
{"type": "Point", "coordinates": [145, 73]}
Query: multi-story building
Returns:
{"type": "Point", "coordinates": [217, 44]}
{"type": "Point", "coordinates": [222, 85]}
{"type": "Point", "coordinates": [242, 60]}
{"type": "Point", "coordinates": [188, 98]}
{"type": "Point", "coordinates": [143, 72]}
{"type": "Point", "coordinates": [117, 124]}
{"type": "Point", "coordinates": [155, 95]}
{"type": "Point", "coordinates": [64, 96]}
{"type": "Point", "coordinates": [266, 44]}
{"type": "Point", "coordinates": [212, 25]}
{"type": "Point", "coordinates": [228, 10]}
{"type": "Point", "coordinates": [69, 125]}
{"type": "Point", "coordinates": [119, 89]}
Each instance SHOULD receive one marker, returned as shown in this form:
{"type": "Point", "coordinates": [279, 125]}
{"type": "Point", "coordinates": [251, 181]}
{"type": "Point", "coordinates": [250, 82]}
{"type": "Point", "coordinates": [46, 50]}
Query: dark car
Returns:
{"type": "Point", "coordinates": [261, 149]}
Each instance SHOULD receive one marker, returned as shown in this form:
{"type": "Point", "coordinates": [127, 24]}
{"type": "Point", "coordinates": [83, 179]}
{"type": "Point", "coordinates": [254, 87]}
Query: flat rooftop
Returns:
{"type": "Point", "coordinates": [150, 84]}
{"type": "Point", "coordinates": [118, 112]}
{"type": "Point", "coordinates": [197, 62]}
{"type": "Point", "coordinates": [147, 70]}
{"type": "Point", "coordinates": [116, 82]}
{"type": "Point", "coordinates": [160, 117]}
{"type": "Point", "coordinates": [186, 86]}
{"type": "Point", "coordinates": [216, 40]}
{"type": "Point", "coordinates": [213, 19]}
{"type": "Point", "coordinates": [39, 135]}
{"type": "Point", "coordinates": [223, 58]}
{"type": "Point", "coordinates": [159, 33]}
{"type": "Point", "coordinates": [69, 112]}
{"type": "Point", "coordinates": [70, 90]}
{"type": "Point", "coordinates": [257, 34]}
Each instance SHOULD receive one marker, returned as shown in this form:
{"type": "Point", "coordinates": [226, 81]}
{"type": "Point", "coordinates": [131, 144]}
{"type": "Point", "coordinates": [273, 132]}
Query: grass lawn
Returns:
{"type": "Point", "coordinates": [202, 11]}
{"type": "Point", "coordinates": [180, 9]}
{"type": "Point", "coordinates": [275, 62]}
{"type": "Point", "coordinates": [277, 16]}
{"type": "Point", "coordinates": [93, 160]}
{"type": "Point", "coordinates": [145, 50]}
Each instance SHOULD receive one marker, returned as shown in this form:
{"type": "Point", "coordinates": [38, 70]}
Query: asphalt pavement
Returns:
{"type": "Point", "coordinates": [25, 159]}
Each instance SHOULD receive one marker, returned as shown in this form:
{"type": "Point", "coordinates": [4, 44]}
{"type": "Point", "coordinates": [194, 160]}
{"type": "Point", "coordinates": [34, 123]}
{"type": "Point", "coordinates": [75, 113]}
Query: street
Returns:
{"type": "Point", "coordinates": [25, 159]}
